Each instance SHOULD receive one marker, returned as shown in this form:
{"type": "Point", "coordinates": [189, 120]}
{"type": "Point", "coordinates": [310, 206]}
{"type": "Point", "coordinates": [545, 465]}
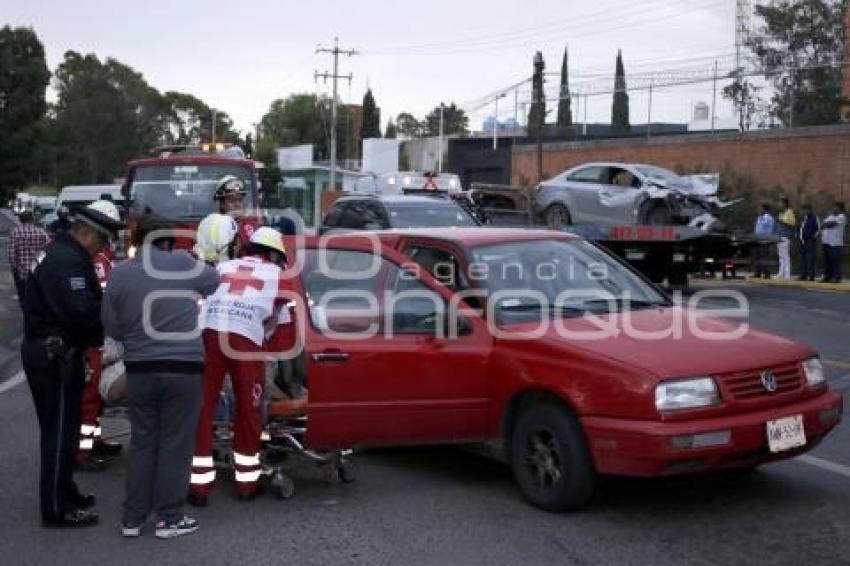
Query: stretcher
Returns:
{"type": "Point", "coordinates": [284, 448]}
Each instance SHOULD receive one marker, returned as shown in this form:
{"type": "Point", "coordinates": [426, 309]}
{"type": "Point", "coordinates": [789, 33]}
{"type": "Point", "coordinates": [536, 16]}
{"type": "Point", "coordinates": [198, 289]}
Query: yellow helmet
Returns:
{"type": "Point", "coordinates": [268, 238]}
{"type": "Point", "coordinates": [215, 234]}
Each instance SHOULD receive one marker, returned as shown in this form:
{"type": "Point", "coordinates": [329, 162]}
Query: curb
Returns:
{"type": "Point", "coordinates": [809, 285]}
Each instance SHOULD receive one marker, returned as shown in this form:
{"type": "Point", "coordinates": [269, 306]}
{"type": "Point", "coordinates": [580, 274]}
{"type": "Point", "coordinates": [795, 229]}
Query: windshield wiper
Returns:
{"type": "Point", "coordinates": [562, 310]}
{"type": "Point", "coordinates": [630, 304]}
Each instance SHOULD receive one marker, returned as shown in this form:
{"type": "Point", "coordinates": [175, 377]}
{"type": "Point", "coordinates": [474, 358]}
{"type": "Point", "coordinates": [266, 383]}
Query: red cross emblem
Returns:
{"type": "Point", "coordinates": [241, 280]}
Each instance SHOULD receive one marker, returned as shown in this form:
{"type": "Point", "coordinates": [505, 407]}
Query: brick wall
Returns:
{"type": "Point", "coordinates": [816, 158]}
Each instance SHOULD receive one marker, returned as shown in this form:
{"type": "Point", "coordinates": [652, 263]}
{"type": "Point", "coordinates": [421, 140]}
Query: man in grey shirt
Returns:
{"type": "Point", "coordinates": [150, 306]}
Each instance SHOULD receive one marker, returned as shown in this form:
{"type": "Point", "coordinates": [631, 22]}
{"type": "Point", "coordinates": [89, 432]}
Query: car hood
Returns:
{"type": "Point", "coordinates": [695, 185]}
{"type": "Point", "coordinates": [640, 339]}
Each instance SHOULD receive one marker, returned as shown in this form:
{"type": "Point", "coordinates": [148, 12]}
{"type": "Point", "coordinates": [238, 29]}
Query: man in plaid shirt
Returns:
{"type": "Point", "coordinates": [25, 243]}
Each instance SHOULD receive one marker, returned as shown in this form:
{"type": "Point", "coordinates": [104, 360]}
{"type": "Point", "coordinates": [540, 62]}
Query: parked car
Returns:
{"type": "Point", "coordinates": [368, 212]}
{"type": "Point", "coordinates": [629, 194]}
{"type": "Point", "coordinates": [465, 336]}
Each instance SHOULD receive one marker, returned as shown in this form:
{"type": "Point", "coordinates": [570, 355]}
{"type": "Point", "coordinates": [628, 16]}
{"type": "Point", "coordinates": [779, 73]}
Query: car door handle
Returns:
{"type": "Point", "coordinates": [330, 356]}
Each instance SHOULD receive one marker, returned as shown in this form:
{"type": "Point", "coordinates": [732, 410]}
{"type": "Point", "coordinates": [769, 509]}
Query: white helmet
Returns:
{"type": "Point", "coordinates": [268, 238]}
{"type": "Point", "coordinates": [101, 215]}
{"type": "Point", "coordinates": [216, 233]}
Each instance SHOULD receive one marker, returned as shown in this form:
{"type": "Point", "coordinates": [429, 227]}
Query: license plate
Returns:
{"type": "Point", "coordinates": [785, 434]}
{"type": "Point", "coordinates": [679, 258]}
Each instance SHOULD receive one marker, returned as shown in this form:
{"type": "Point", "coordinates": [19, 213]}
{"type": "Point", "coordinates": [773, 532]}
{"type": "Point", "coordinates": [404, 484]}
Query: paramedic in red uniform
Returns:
{"type": "Point", "coordinates": [246, 316]}
{"type": "Point", "coordinates": [93, 450]}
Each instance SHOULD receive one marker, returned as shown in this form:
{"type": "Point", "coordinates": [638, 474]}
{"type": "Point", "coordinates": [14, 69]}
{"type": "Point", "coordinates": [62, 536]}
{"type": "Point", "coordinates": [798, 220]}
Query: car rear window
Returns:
{"type": "Point", "coordinates": [439, 213]}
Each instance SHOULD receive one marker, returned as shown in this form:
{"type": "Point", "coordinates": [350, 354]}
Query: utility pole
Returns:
{"type": "Point", "coordinates": [540, 116]}
{"type": "Point", "coordinates": [336, 52]}
{"type": "Point", "coordinates": [496, 121]}
{"type": "Point", "coordinates": [584, 124]}
{"type": "Point", "coordinates": [440, 150]}
{"type": "Point", "coordinates": [649, 111]}
{"type": "Point", "coordinates": [714, 97]}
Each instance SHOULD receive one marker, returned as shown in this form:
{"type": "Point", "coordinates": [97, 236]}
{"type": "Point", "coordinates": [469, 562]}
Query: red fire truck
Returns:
{"type": "Point", "coordinates": [179, 182]}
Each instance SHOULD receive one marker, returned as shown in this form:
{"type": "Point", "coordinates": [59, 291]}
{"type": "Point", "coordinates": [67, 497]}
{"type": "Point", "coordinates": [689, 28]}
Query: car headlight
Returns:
{"type": "Point", "coordinates": [686, 394]}
{"type": "Point", "coordinates": [813, 368]}
{"type": "Point", "coordinates": [391, 181]}
{"type": "Point", "coordinates": [131, 252]}
{"type": "Point", "coordinates": [406, 180]}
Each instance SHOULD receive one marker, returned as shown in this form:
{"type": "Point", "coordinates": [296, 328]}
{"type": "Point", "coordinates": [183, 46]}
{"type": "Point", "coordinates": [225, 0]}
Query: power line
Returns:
{"type": "Point", "coordinates": [510, 41]}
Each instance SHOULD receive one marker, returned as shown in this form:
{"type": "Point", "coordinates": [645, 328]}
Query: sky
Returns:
{"type": "Point", "coordinates": [240, 56]}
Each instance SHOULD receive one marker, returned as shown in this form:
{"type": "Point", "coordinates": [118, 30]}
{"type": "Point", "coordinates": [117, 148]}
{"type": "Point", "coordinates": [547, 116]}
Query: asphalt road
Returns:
{"type": "Point", "coordinates": [446, 506]}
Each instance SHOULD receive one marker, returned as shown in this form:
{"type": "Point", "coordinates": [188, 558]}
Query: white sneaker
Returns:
{"type": "Point", "coordinates": [184, 526]}
{"type": "Point", "coordinates": [130, 531]}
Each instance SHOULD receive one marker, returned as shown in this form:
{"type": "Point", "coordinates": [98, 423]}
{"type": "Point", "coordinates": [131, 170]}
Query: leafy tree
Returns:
{"type": "Point", "coordinates": [455, 121]}
{"type": "Point", "coordinates": [744, 97]}
{"type": "Point", "coordinates": [371, 125]}
{"type": "Point", "coordinates": [23, 80]}
{"type": "Point", "coordinates": [391, 130]}
{"type": "Point", "coordinates": [189, 121]}
{"type": "Point", "coordinates": [620, 108]}
{"type": "Point", "coordinates": [96, 125]}
{"type": "Point", "coordinates": [801, 50]}
{"type": "Point", "coordinates": [408, 126]}
{"type": "Point", "coordinates": [304, 119]}
{"type": "Point", "coordinates": [565, 115]}
{"type": "Point", "coordinates": [537, 111]}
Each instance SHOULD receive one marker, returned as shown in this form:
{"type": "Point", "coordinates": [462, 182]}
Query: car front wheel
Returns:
{"type": "Point", "coordinates": [550, 460]}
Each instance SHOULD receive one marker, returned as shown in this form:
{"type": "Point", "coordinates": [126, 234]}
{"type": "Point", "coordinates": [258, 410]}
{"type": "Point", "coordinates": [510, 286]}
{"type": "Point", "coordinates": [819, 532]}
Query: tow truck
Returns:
{"type": "Point", "coordinates": [660, 252]}
{"type": "Point", "coordinates": [178, 183]}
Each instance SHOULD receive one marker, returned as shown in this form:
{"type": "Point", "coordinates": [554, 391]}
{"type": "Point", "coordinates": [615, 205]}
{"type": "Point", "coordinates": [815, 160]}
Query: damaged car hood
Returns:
{"type": "Point", "coordinates": [704, 186]}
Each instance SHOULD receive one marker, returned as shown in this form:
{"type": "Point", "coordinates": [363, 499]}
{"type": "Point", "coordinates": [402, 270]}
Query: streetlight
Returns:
{"type": "Point", "coordinates": [496, 121]}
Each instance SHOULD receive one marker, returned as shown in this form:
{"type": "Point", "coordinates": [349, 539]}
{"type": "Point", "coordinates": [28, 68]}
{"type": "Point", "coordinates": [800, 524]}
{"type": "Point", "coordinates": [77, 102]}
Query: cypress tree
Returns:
{"type": "Point", "coordinates": [565, 114]}
{"type": "Point", "coordinates": [620, 109]}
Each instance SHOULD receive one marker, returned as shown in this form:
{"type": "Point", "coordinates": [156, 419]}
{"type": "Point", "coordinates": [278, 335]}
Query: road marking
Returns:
{"type": "Point", "coordinates": [839, 469]}
{"type": "Point", "coordinates": [15, 380]}
{"type": "Point", "coordinates": [837, 364]}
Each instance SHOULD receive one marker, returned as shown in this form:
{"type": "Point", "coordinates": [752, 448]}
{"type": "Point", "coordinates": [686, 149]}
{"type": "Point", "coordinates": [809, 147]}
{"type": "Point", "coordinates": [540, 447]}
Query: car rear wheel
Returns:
{"type": "Point", "coordinates": [550, 460]}
{"type": "Point", "coordinates": [557, 216]}
{"type": "Point", "coordinates": [658, 215]}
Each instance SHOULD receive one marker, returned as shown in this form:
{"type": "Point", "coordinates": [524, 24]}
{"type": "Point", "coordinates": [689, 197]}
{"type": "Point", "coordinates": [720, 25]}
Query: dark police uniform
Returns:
{"type": "Point", "coordinates": [61, 319]}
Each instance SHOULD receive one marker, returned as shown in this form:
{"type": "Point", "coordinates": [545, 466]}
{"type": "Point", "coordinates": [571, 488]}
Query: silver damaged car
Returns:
{"type": "Point", "coordinates": [629, 194]}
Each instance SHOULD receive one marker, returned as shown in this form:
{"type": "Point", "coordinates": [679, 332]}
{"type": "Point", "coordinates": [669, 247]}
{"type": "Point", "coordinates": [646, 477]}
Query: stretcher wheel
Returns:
{"type": "Point", "coordinates": [346, 472]}
{"type": "Point", "coordinates": [282, 486]}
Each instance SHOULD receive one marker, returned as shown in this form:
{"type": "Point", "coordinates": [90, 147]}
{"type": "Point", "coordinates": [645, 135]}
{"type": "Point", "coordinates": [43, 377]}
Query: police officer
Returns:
{"type": "Point", "coordinates": [62, 319]}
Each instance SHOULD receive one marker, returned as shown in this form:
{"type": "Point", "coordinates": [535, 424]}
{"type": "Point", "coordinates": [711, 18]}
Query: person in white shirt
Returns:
{"type": "Point", "coordinates": [832, 237]}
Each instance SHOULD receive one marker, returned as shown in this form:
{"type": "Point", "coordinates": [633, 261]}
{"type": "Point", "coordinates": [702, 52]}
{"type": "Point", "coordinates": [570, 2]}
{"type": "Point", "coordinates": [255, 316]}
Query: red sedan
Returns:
{"type": "Point", "coordinates": [549, 352]}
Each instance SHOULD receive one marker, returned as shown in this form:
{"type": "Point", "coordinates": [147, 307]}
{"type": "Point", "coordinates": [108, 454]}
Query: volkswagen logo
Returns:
{"type": "Point", "coordinates": [768, 380]}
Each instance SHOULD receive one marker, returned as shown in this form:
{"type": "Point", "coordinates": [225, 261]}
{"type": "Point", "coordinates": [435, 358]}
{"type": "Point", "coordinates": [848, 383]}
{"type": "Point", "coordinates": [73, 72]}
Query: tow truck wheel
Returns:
{"type": "Point", "coordinates": [550, 459]}
{"type": "Point", "coordinates": [557, 216]}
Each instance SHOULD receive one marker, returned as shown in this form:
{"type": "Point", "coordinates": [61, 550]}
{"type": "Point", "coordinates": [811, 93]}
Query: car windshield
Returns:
{"type": "Point", "coordinates": [529, 279]}
{"type": "Point", "coordinates": [656, 173]}
{"type": "Point", "coordinates": [182, 190]}
{"type": "Point", "coordinates": [427, 214]}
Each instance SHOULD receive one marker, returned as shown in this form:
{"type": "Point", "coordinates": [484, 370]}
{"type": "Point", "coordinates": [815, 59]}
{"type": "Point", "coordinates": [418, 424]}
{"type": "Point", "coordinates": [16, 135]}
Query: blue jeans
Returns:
{"type": "Point", "coordinates": [809, 252]}
{"type": "Point", "coordinates": [832, 263]}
